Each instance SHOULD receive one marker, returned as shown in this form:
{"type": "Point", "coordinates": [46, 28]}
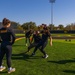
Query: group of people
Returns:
{"type": "Point", "coordinates": [7, 39]}
{"type": "Point", "coordinates": [40, 41]}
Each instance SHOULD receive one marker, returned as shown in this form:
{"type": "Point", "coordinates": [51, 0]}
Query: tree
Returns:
{"type": "Point", "coordinates": [51, 26]}
{"type": "Point", "coordinates": [72, 26]}
{"type": "Point", "coordinates": [14, 25]}
{"type": "Point", "coordinates": [19, 27]}
{"type": "Point", "coordinates": [61, 27]}
{"type": "Point", "coordinates": [29, 25]}
{"type": "Point", "coordinates": [68, 27]}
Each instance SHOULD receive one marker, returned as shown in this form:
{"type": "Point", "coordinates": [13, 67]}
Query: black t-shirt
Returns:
{"type": "Point", "coordinates": [45, 37]}
{"type": "Point", "coordinates": [37, 38]}
{"type": "Point", "coordinates": [6, 34]}
{"type": "Point", "coordinates": [28, 34]}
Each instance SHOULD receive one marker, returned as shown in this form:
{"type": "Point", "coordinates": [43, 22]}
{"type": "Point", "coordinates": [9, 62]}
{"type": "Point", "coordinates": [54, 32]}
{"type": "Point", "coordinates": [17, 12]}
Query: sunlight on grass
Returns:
{"type": "Point", "coordinates": [61, 60]}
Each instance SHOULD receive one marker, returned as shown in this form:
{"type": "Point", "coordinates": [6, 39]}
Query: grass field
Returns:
{"type": "Point", "coordinates": [61, 60]}
{"type": "Point", "coordinates": [58, 35]}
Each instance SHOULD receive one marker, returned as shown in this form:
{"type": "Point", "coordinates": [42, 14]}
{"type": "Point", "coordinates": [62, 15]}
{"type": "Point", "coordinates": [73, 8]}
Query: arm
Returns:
{"type": "Point", "coordinates": [13, 37]}
{"type": "Point", "coordinates": [50, 37]}
{"type": "Point", "coordinates": [50, 41]}
{"type": "Point", "coordinates": [31, 39]}
{"type": "Point", "coordinates": [0, 38]}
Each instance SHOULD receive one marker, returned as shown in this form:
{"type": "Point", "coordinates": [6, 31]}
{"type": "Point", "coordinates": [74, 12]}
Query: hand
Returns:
{"type": "Point", "coordinates": [50, 43]}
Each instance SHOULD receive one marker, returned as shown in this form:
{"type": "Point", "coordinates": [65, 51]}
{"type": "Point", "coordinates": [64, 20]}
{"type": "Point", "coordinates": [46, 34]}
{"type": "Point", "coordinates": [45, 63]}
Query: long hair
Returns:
{"type": "Point", "coordinates": [5, 21]}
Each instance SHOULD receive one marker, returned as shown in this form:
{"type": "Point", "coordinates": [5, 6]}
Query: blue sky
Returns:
{"type": "Point", "coordinates": [38, 11]}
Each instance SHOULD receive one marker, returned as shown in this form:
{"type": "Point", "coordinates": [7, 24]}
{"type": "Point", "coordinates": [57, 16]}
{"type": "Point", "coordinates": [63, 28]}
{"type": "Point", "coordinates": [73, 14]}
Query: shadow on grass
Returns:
{"type": "Point", "coordinates": [62, 61]}
{"type": "Point", "coordinates": [69, 71]}
{"type": "Point", "coordinates": [3, 72]}
{"type": "Point", "coordinates": [23, 56]}
{"type": "Point", "coordinates": [18, 45]}
{"type": "Point", "coordinates": [35, 57]}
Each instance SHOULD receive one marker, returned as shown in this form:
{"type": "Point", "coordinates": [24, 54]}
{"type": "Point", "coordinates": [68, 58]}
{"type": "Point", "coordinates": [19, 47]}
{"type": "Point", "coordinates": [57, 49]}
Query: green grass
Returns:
{"type": "Point", "coordinates": [20, 34]}
{"type": "Point", "coordinates": [61, 60]}
{"type": "Point", "coordinates": [61, 35]}
{"type": "Point", "coordinates": [58, 35]}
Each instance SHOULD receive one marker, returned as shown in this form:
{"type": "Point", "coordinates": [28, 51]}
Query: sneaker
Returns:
{"type": "Point", "coordinates": [26, 44]}
{"type": "Point", "coordinates": [46, 56]}
{"type": "Point", "coordinates": [2, 68]}
{"type": "Point", "coordinates": [10, 70]}
{"type": "Point", "coordinates": [33, 54]}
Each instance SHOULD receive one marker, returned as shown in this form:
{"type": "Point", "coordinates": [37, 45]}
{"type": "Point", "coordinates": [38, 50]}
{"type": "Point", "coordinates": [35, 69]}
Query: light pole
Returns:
{"type": "Point", "coordinates": [52, 1]}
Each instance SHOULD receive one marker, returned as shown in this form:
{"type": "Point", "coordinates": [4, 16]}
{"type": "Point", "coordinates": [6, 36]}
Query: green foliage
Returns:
{"type": "Point", "coordinates": [29, 25]}
{"type": "Point", "coordinates": [14, 25]}
{"type": "Point", "coordinates": [61, 27]}
{"type": "Point", "coordinates": [19, 27]}
{"type": "Point", "coordinates": [51, 27]}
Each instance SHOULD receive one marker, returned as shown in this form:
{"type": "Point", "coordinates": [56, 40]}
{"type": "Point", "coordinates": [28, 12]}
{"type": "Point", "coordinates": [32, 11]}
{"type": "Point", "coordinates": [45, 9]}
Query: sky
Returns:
{"type": "Point", "coordinates": [38, 11]}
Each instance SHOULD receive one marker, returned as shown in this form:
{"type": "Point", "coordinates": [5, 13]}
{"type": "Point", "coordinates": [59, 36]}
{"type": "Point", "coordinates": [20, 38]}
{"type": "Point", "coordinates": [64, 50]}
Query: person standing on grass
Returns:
{"type": "Point", "coordinates": [43, 42]}
{"type": "Point", "coordinates": [36, 38]}
{"type": "Point", "coordinates": [7, 40]}
{"type": "Point", "coordinates": [27, 35]}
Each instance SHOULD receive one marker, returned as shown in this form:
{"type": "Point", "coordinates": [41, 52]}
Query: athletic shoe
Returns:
{"type": "Point", "coordinates": [33, 54]}
{"type": "Point", "coordinates": [26, 44]}
{"type": "Point", "coordinates": [46, 56]}
{"type": "Point", "coordinates": [10, 70]}
{"type": "Point", "coordinates": [2, 68]}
